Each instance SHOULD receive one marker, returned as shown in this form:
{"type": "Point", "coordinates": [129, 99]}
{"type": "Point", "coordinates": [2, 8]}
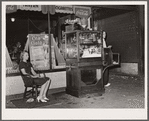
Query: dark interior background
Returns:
{"type": "Point", "coordinates": [122, 35]}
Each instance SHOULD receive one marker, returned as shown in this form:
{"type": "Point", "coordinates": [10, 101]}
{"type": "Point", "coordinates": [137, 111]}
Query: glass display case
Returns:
{"type": "Point", "coordinates": [83, 54]}
{"type": "Point", "coordinates": [83, 44]}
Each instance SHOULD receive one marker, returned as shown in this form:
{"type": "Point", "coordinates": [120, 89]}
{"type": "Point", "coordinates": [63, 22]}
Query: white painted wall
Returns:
{"type": "Point", "coordinates": [15, 85]}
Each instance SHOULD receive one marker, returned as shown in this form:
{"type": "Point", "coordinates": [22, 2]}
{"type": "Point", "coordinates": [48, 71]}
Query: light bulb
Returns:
{"type": "Point", "coordinates": [12, 19]}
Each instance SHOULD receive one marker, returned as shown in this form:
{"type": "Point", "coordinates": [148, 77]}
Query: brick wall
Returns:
{"type": "Point", "coordinates": [122, 35]}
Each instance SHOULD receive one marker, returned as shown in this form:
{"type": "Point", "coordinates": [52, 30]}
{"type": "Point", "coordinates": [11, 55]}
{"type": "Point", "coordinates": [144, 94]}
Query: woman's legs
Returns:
{"type": "Point", "coordinates": [42, 90]}
{"type": "Point", "coordinates": [46, 88]}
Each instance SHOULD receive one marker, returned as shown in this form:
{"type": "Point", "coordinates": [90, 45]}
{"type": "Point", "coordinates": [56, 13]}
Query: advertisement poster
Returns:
{"type": "Point", "coordinates": [39, 51]}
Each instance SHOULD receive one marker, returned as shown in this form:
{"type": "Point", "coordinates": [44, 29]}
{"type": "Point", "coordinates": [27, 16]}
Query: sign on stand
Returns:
{"type": "Point", "coordinates": [39, 51]}
{"type": "Point", "coordinates": [82, 12]}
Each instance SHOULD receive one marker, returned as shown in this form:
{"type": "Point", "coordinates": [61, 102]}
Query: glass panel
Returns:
{"type": "Point", "coordinates": [71, 46]}
{"type": "Point", "coordinates": [90, 45]}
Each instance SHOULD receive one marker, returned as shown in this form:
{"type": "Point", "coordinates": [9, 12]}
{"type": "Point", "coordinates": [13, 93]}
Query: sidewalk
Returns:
{"type": "Point", "coordinates": [124, 92]}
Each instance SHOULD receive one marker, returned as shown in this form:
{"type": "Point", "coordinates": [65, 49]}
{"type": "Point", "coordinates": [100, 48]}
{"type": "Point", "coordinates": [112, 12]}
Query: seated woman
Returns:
{"type": "Point", "coordinates": [28, 73]}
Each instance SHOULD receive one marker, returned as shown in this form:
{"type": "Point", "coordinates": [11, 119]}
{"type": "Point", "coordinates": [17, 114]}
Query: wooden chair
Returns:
{"type": "Point", "coordinates": [30, 89]}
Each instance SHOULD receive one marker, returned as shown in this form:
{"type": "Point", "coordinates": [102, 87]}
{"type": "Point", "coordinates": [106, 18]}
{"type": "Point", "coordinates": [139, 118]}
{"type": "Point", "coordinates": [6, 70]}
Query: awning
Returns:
{"type": "Point", "coordinates": [44, 8]}
{"type": "Point", "coordinates": [80, 11]}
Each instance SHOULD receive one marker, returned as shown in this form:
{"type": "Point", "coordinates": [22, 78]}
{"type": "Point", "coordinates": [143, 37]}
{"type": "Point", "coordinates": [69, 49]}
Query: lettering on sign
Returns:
{"type": "Point", "coordinates": [64, 9]}
{"type": "Point", "coordinates": [30, 7]}
{"type": "Point", "coordinates": [36, 40]}
{"type": "Point", "coordinates": [82, 12]}
{"type": "Point", "coordinates": [68, 21]}
{"type": "Point", "coordinates": [10, 7]}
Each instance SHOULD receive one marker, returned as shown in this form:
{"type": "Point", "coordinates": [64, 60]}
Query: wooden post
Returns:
{"type": "Point", "coordinates": [92, 18]}
{"type": "Point", "coordinates": [140, 36]}
{"type": "Point", "coordinates": [59, 32]}
{"type": "Point", "coordinates": [50, 59]}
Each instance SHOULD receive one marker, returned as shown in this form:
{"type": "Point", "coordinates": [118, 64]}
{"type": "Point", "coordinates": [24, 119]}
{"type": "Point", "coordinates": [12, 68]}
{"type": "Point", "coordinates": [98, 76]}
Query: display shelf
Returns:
{"type": "Point", "coordinates": [88, 43]}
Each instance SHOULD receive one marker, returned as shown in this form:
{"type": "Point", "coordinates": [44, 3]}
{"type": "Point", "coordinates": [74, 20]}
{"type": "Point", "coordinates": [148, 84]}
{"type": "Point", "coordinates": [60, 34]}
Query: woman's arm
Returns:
{"type": "Point", "coordinates": [27, 74]}
{"type": "Point", "coordinates": [34, 73]}
{"type": "Point", "coordinates": [104, 44]}
{"type": "Point", "coordinates": [24, 72]}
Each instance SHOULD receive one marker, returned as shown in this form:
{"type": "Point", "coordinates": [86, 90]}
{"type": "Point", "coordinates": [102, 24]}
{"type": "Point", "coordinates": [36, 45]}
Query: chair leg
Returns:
{"type": "Point", "coordinates": [24, 95]}
{"type": "Point", "coordinates": [36, 92]}
{"type": "Point", "coordinates": [32, 91]}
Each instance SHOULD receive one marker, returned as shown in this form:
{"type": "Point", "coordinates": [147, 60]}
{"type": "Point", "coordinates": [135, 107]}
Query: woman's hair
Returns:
{"type": "Point", "coordinates": [22, 54]}
{"type": "Point", "coordinates": [105, 33]}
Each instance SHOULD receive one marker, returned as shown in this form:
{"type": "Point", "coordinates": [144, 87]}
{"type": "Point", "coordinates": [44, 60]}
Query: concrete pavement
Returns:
{"type": "Point", "coordinates": [124, 92]}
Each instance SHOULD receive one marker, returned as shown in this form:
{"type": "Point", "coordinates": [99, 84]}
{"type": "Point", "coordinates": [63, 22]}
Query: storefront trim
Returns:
{"type": "Point", "coordinates": [43, 71]}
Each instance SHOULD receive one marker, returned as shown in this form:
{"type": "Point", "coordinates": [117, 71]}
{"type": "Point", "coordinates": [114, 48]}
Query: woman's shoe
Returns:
{"type": "Point", "coordinates": [107, 85]}
{"type": "Point", "coordinates": [40, 100]}
{"type": "Point", "coordinates": [43, 101]}
{"type": "Point", "coordinates": [45, 98]}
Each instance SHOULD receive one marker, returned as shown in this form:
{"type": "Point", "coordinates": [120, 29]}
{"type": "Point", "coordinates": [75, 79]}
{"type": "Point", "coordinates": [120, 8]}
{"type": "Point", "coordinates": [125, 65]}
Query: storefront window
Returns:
{"type": "Point", "coordinates": [18, 33]}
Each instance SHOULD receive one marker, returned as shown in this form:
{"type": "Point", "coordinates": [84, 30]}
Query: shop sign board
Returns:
{"type": "Point", "coordinates": [39, 51]}
{"type": "Point", "coordinates": [29, 7]}
{"type": "Point", "coordinates": [11, 8]}
{"type": "Point", "coordinates": [82, 12]}
{"type": "Point", "coordinates": [64, 9]}
{"type": "Point", "coordinates": [57, 8]}
{"type": "Point", "coordinates": [68, 21]}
